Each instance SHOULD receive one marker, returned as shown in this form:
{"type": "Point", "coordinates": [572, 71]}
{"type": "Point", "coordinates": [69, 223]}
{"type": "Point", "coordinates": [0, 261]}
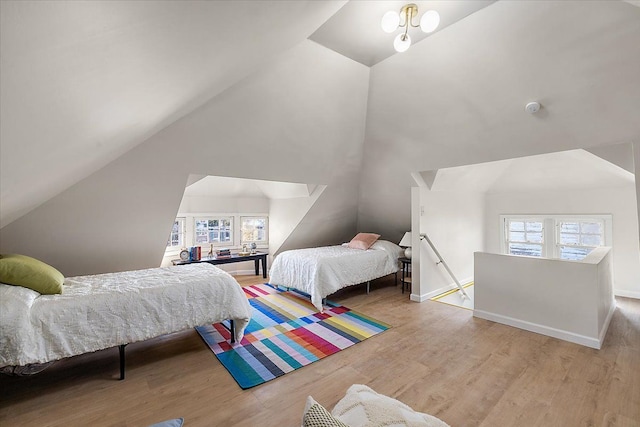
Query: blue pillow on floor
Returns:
{"type": "Point", "coordinates": [177, 422]}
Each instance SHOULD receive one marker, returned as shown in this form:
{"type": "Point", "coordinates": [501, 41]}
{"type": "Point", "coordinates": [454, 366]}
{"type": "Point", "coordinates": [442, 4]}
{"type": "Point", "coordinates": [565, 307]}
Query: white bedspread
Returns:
{"type": "Point", "coordinates": [322, 271]}
{"type": "Point", "coordinates": [106, 310]}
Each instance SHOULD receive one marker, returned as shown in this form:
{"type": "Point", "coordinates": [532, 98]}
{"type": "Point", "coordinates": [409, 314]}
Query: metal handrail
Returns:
{"type": "Point", "coordinates": [424, 236]}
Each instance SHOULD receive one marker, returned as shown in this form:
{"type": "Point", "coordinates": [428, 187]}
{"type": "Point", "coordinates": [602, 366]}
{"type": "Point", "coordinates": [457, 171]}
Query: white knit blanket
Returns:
{"type": "Point", "coordinates": [324, 270]}
{"type": "Point", "coordinates": [106, 310]}
{"type": "Point", "coordinates": [363, 407]}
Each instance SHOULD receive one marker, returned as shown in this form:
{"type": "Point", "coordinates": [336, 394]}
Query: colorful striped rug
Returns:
{"type": "Point", "coordinates": [285, 333]}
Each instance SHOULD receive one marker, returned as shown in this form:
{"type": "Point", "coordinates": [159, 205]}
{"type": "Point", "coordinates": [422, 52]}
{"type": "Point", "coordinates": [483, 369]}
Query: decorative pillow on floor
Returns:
{"type": "Point", "coordinates": [363, 407]}
{"type": "Point", "coordinates": [176, 422]}
{"type": "Point", "coordinates": [315, 415]}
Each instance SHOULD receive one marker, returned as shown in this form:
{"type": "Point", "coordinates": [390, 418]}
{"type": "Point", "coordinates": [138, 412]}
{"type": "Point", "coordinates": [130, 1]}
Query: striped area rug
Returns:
{"type": "Point", "coordinates": [285, 333]}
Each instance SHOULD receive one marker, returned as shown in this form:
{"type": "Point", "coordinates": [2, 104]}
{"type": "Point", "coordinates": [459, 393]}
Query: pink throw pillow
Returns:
{"type": "Point", "coordinates": [363, 241]}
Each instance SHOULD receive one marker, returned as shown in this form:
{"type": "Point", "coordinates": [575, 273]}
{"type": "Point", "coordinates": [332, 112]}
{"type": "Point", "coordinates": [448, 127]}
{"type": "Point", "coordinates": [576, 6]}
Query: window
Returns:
{"type": "Point", "coordinates": [555, 236]}
{"type": "Point", "coordinates": [577, 238]}
{"type": "Point", "coordinates": [213, 230]}
{"type": "Point", "coordinates": [525, 237]}
{"type": "Point", "coordinates": [176, 239]}
{"type": "Point", "coordinates": [254, 229]}
{"type": "Point", "coordinates": [220, 230]}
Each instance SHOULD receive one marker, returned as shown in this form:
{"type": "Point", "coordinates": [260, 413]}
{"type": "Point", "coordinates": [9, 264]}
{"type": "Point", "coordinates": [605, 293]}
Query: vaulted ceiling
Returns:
{"type": "Point", "coordinates": [91, 92]}
{"type": "Point", "coordinates": [85, 81]}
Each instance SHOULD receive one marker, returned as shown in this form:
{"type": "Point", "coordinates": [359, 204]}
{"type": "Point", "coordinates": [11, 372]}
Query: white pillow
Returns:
{"type": "Point", "coordinates": [363, 407]}
{"type": "Point", "coordinates": [388, 246]}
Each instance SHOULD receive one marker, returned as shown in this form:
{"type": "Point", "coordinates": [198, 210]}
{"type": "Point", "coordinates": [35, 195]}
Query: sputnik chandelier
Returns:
{"type": "Point", "coordinates": [393, 20]}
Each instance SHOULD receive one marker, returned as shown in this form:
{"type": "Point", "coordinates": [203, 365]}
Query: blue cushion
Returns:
{"type": "Point", "coordinates": [176, 422]}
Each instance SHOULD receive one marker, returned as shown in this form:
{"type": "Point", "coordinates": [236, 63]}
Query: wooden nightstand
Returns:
{"type": "Point", "coordinates": [406, 273]}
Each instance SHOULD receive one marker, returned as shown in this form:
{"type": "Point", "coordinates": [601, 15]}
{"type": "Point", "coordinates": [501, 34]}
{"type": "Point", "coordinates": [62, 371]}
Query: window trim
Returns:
{"type": "Point", "coordinates": [266, 231]}
{"type": "Point", "coordinates": [182, 232]}
{"type": "Point", "coordinates": [586, 218]}
{"type": "Point", "coordinates": [551, 224]}
{"type": "Point", "coordinates": [214, 217]}
{"type": "Point", "coordinates": [527, 218]}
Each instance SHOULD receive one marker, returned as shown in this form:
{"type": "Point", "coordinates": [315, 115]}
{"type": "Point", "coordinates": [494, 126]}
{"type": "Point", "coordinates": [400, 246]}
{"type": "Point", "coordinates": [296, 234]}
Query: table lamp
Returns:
{"type": "Point", "coordinates": [406, 243]}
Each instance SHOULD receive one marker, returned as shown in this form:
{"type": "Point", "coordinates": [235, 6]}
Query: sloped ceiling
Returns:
{"type": "Point", "coordinates": [85, 81]}
{"type": "Point", "coordinates": [563, 171]}
{"type": "Point", "coordinates": [222, 186]}
{"type": "Point", "coordinates": [458, 97]}
{"type": "Point", "coordinates": [110, 106]}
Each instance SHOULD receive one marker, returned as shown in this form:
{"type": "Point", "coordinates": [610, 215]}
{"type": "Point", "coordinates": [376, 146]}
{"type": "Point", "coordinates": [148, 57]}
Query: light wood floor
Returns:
{"type": "Point", "coordinates": [437, 358]}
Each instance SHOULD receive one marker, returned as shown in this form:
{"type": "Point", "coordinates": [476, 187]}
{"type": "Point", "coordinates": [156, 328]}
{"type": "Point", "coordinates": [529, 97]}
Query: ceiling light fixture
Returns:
{"type": "Point", "coordinates": [393, 20]}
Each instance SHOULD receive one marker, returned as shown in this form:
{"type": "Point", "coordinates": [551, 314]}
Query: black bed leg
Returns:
{"type": "Point", "coordinates": [121, 348]}
{"type": "Point", "coordinates": [232, 329]}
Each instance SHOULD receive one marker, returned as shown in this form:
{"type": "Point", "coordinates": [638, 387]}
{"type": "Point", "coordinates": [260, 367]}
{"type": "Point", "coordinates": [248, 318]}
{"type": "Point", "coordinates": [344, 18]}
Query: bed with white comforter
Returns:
{"type": "Point", "coordinates": [107, 310]}
{"type": "Point", "coordinates": [324, 270]}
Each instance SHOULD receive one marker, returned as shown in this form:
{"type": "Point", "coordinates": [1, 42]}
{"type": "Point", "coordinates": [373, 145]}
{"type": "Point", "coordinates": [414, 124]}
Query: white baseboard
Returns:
{"type": "Point", "coordinates": [605, 326]}
{"type": "Point", "coordinates": [546, 330]}
{"type": "Point", "coordinates": [418, 298]}
{"type": "Point", "coordinates": [251, 272]}
{"type": "Point", "coordinates": [429, 295]}
{"type": "Point", "coordinates": [627, 294]}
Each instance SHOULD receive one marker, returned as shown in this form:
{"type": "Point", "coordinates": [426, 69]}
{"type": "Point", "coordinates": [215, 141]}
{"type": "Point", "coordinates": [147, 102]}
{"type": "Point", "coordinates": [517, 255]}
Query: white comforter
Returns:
{"type": "Point", "coordinates": [322, 271]}
{"type": "Point", "coordinates": [106, 310]}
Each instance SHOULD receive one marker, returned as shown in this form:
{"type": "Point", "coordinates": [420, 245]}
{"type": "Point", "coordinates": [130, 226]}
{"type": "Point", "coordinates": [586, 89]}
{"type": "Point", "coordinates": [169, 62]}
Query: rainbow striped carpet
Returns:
{"type": "Point", "coordinates": [285, 333]}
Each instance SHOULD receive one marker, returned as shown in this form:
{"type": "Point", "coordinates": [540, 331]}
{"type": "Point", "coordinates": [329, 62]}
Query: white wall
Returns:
{"type": "Point", "coordinates": [207, 204]}
{"type": "Point", "coordinates": [570, 300]}
{"type": "Point", "coordinates": [286, 214]}
{"type": "Point", "coordinates": [458, 97]}
{"type": "Point", "coordinates": [454, 221]}
{"type": "Point", "coordinates": [636, 159]}
{"type": "Point", "coordinates": [299, 119]}
{"type": "Point", "coordinates": [620, 202]}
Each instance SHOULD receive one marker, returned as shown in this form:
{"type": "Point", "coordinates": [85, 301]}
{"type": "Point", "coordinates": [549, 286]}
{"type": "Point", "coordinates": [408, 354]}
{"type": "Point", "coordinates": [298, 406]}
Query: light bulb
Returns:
{"type": "Point", "coordinates": [429, 21]}
{"type": "Point", "coordinates": [390, 21]}
{"type": "Point", "coordinates": [402, 42]}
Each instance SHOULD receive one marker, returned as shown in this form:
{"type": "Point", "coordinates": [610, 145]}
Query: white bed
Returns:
{"type": "Point", "coordinates": [107, 310]}
{"type": "Point", "coordinates": [324, 270]}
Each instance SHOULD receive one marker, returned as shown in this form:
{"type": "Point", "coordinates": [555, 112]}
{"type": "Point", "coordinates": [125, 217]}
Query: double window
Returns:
{"type": "Point", "coordinates": [556, 236]}
{"type": "Point", "coordinates": [213, 231]}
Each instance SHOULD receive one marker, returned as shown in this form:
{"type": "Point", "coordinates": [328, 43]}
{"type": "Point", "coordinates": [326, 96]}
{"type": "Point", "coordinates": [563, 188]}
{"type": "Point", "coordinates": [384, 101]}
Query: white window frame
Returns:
{"type": "Point", "coordinates": [266, 230]}
{"type": "Point", "coordinates": [525, 219]}
{"type": "Point", "coordinates": [551, 226]}
{"type": "Point", "coordinates": [182, 231]}
{"type": "Point", "coordinates": [207, 218]}
{"type": "Point", "coordinates": [604, 220]}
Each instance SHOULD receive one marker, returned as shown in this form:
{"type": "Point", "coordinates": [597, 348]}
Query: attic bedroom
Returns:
{"type": "Point", "coordinates": [131, 131]}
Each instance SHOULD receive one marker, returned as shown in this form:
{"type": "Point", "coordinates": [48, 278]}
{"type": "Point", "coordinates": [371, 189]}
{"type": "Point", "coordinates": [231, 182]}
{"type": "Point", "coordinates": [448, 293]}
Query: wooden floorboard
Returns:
{"type": "Point", "coordinates": [436, 358]}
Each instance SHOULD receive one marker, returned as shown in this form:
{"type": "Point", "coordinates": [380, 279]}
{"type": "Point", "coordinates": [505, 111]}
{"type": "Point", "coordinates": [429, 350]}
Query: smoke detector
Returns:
{"type": "Point", "coordinates": [532, 107]}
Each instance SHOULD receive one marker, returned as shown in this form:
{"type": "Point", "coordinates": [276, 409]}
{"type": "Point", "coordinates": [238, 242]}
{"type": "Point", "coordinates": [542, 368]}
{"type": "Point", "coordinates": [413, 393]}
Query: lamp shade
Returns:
{"type": "Point", "coordinates": [390, 21]}
{"type": "Point", "coordinates": [430, 21]}
{"type": "Point", "coordinates": [402, 42]}
{"type": "Point", "coordinates": [406, 240]}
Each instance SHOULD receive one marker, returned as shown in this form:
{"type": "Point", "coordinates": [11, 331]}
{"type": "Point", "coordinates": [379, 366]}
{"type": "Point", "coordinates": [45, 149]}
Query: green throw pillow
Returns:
{"type": "Point", "coordinates": [22, 270]}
